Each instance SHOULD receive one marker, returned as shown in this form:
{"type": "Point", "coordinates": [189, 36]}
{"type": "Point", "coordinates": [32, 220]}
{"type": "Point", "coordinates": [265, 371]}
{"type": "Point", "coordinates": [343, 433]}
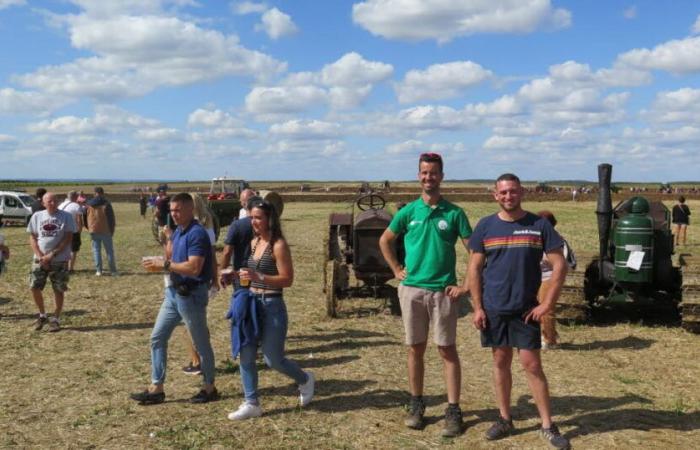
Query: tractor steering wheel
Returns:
{"type": "Point", "coordinates": [370, 201]}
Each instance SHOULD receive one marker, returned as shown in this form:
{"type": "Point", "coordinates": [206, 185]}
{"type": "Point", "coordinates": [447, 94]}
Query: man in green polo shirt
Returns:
{"type": "Point", "coordinates": [428, 294]}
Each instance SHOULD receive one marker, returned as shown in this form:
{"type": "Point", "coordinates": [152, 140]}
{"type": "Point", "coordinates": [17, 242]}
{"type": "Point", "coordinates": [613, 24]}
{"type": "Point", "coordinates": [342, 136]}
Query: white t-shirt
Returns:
{"type": "Point", "coordinates": [73, 208]}
{"type": "Point", "coordinates": [243, 213]}
{"type": "Point", "coordinates": [51, 230]}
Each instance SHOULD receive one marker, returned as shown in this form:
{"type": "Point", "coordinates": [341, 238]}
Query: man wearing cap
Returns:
{"type": "Point", "coordinates": [51, 231]}
{"type": "Point", "coordinates": [428, 293]}
{"type": "Point", "coordinates": [71, 206]}
{"type": "Point", "coordinates": [99, 217]}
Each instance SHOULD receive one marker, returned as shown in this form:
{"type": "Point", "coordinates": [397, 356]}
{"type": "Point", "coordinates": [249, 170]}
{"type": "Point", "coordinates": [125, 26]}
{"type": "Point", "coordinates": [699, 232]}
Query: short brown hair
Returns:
{"type": "Point", "coordinates": [430, 158]}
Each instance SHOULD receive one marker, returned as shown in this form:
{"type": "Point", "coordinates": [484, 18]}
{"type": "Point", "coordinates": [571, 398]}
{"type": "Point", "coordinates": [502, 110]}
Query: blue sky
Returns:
{"type": "Point", "coordinates": [334, 90]}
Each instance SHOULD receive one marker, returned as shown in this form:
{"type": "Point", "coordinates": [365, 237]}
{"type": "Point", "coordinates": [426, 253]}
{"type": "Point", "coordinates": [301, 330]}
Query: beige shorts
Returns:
{"type": "Point", "coordinates": [422, 309]}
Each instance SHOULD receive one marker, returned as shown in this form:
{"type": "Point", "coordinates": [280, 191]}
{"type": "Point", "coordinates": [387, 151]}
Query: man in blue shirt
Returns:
{"type": "Point", "coordinates": [238, 239]}
{"type": "Point", "coordinates": [189, 262]}
{"type": "Point", "coordinates": [503, 278]}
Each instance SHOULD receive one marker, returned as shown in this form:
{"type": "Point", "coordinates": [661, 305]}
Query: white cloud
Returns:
{"type": "Point", "coordinates": [444, 20]}
{"type": "Point", "coordinates": [137, 54]}
{"type": "Point", "coordinates": [107, 120]}
{"type": "Point", "coordinates": [13, 101]}
{"type": "Point", "coordinates": [276, 24]}
{"type": "Point", "coordinates": [6, 138]}
{"type": "Point", "coordinates": [218, 125]}
{"type": "Point", "coordinates": [680, 106]}
{"type": "Point", "coordinates": [7, 3]}
{"type": "Point", "coordinates": [680, 56]}
{"type": "Point", "coordinates": [284, 99]}
{"type": "Point", "coordinates": [440, 81]}
{"type": "Point", "coordinates": [159, 134]}
{"type": "Point", "coordinates": [696, 26]}
{"type": "Point", "coordinates": [406, 147]}
{"type": "Point", "coordinates": [306, 129]}
{"type": "Point", "coordinates": [630, 13]}
{"type": "Point", "coordinates": [243, 8]}
{"type": "Point", "coordinates": [343, 84]}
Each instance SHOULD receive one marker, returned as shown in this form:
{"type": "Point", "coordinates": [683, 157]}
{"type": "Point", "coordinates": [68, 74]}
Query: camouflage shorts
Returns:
{"type": "Point", "coordinates": [57, 273]}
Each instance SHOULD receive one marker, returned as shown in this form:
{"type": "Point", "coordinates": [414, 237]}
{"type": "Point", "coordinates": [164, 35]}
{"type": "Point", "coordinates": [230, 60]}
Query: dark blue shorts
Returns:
{"type": "Point", "coordinates": [510, 330]}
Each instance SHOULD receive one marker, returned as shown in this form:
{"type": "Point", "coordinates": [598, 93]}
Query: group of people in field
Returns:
{"type": "Point", "coordinates": [517, 266]}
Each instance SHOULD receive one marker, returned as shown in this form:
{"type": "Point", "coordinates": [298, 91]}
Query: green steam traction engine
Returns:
{"type": "Point", "coordinates": [635, 263]}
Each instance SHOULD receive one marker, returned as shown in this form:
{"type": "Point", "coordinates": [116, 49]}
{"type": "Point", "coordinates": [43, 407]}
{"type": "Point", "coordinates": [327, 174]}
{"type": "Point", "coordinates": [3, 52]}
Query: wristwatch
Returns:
{"type": "Point", "coordinates": [166, 265]}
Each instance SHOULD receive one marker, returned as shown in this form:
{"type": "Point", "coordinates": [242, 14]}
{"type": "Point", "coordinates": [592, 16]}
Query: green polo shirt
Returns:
{"type": "Point", "coordinates": [430, 234]}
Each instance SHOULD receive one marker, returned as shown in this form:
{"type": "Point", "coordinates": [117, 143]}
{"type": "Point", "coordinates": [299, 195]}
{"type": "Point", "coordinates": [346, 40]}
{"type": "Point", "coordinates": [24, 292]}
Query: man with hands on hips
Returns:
{"type": "Point", "coordinates": [428, 293]}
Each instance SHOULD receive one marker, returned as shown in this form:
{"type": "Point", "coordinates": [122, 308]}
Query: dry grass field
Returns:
{"type": "Point", "coordinates": [620, 384]}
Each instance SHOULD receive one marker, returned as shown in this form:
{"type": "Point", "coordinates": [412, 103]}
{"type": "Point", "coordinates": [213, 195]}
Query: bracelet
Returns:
{"type": "Point", "coordinates": [166, 265]}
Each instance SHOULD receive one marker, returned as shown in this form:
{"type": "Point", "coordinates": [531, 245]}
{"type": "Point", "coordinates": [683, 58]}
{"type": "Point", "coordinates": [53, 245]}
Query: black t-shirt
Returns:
{"type": "Point", "coordinates": [163, 207]}
{"type": "Point", "coordinates": [680, 214]}
{"type": "Point", "coordinates": [239, 236]}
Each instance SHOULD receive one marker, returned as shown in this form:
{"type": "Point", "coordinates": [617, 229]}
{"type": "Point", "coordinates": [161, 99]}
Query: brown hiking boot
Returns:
{"type": "Point", "coordinates": [40, 322]}
{"type": "Point", "coordinates": [453, 421]}
{"type": "Point", "coordinates": [415, 414]}
{"type": "Point", "coordinates": [500, 429]}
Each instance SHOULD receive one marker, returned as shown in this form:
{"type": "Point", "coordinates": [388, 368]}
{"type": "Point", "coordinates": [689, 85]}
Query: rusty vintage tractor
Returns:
{"type": "Point", "coordinates": [352, 248]}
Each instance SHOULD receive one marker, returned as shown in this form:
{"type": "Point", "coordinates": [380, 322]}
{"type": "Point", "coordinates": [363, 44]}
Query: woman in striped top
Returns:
{"type": "Point", "coordinates": [269, 271]}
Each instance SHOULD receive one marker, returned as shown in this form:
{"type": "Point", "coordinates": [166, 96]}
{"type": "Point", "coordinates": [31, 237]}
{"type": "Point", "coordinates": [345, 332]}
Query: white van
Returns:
{"type": "Point", "coordinates": [15, 206]}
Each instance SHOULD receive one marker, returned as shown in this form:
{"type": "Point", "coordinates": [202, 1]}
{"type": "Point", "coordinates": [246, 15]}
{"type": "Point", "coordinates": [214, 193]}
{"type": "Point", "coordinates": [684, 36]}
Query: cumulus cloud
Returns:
{"type": "Point", "coordinates": [680, 56]}
{"type": "Point", "coordinates": [13, 101]}
{"type": "Point", "coordinates": [306, 129]}
{"type": "Point", "coordinates": [679, 106]}
{"type": "Point", "coordinates": [7, 3]}
{"type": "Point", "coordinates": [342, 84]}
{"type": "Point", "coordinates": [442, 20]}
{"type": "Point", "coordinates": [106, 120]}
{"type": "Point", "coordinates": [440, 81]}
{"type": "Point", "coordinates": [276, 24]}
{"type": "Point", "coordinates": [137, 54]}
{"type": "Point", "coordinates": [243, 8]}
{"type": "Point", "coordinates": [217, 125]}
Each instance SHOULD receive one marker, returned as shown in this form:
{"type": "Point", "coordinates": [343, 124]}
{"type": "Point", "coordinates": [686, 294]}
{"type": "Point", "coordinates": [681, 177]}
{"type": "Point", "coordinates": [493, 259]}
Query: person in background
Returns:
{"type": "Point", "coordinates": [50, 234]}
{"type": "Point", "coordinates": [548, 324]}
{"type": "Point", "coordinates": [237, 246]}
{"type": "Point", "coordinates": [71, 206]}
{"type": "Point", "coordinates": [268, 271]}
{"type": "Point", "coordinates": [143, 204]}
{"type": "Point", "coordinates": [205, 219]}
{"type": "Point", "coordinates": [246, 195]}
{"type": "Point", "coordinates": [4, 252]}
{"type": "Point", "coordinates": [38, 204]}
{"type": "Point", "coordinates": [681, 219]}
{"type": "Point", "coordinates": [100, 221]}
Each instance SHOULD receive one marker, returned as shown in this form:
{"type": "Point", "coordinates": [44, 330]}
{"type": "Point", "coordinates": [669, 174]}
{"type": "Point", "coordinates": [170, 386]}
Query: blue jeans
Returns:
{"type": "Point", "coordinates": [106, 240]}
{"type": "Point", "coordinates": [274, 332]}
{"type": "Point", "coordinates": [193, 310]}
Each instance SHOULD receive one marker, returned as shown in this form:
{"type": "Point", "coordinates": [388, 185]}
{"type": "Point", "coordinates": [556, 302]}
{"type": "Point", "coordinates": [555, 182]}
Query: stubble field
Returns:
{"type": "Point", "coordinates": [623, 384]}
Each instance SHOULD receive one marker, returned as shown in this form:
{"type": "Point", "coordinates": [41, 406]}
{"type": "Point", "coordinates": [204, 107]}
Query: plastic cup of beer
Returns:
{"type": "Point", "coordinates": [154, 259]}
{"type": "Point", "coordinates": [244, 282]}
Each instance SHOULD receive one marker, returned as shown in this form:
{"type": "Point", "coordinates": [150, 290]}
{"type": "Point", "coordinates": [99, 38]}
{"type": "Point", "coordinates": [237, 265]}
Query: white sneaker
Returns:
{"type": "Point", "coordinates": [98, 273]}
{"type": "Point", "coordinates": [245, 411]}
{"type": "Point", "coordinates": [306, 390]}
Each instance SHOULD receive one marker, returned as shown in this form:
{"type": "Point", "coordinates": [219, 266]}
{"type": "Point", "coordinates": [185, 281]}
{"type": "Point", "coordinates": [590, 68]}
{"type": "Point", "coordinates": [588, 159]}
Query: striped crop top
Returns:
{"type": "Point", "coordinates": [265, 265]}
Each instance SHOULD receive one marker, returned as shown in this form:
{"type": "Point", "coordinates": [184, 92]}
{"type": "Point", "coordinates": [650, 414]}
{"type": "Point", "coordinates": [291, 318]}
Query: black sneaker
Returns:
{"type": "Point", "coordinates": [554, 437]}
{"type": "Point", "coordinates": [148, 398]}
{"type": "Point", "coordinates": [453, 421]}
{"type": "Point", "coordinates": [204, 397]}
{"type": "Point", "coordinates": [500, 429]}
{"type": "Point", "coordinates": [415, 414]}
{"type": "Point", "coordinates": [40, 322]}
{"type": "Point", "coordinates": [192, 370]}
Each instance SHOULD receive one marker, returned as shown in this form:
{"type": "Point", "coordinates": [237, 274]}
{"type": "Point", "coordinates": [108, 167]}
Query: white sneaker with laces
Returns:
{"type": "Point", "coordinates": [245, 411]}
{"type": "Point", "coordinates": [306, 390]}
{"type": "Point", "coordinates": [98, 273]}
